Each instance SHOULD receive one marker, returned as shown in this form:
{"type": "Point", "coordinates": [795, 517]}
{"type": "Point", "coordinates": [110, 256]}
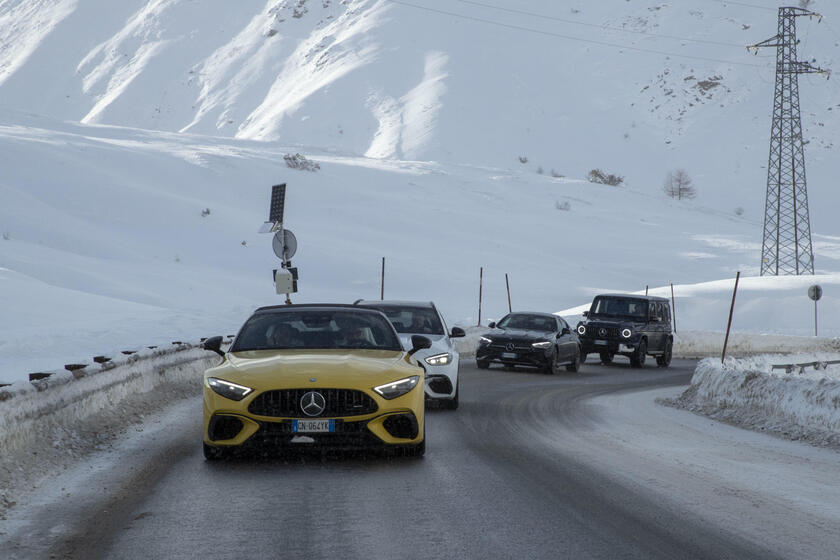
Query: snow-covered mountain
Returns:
{"type": "Point", "coordinates": [451, 135]}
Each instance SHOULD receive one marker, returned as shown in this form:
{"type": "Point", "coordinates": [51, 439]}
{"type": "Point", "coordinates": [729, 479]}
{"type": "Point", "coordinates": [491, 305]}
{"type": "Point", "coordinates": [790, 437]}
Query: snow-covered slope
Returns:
{"type": "Point", "coordinates": [637, 88]}
{"type": "Point", "coordinates": [443, 130]}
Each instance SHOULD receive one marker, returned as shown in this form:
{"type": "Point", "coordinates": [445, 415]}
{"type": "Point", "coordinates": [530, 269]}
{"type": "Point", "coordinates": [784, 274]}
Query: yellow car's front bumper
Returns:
{"type": "Point", "coordinates": [395, 422]}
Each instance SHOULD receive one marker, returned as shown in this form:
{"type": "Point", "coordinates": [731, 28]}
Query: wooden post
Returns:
{"type": "Point", "coordinates": [507, 284]}
{"type": "Point", "coordinates": [480, 285]}
{"type": "Point", "coordinates": [646, 290]}
{"type": "Point", "coordinates": [729, 324]}
{"type": "Point", "coordinates": [673, 308]}
{"type": "Point", "coordinates": [382, 284]}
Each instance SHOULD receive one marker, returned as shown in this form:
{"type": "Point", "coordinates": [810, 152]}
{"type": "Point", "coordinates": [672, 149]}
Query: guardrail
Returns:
{"type": "Point", "coordinates": [789, 368]}
{"type": "Point", "coordinates": [98, 363]}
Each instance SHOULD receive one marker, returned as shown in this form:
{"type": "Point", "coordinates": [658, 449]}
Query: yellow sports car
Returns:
{"type": "Point", "coordinates": [303, 375]}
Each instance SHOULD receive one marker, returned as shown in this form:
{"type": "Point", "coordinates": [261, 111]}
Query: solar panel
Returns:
{"type": "Point", "coordinates": [278, 201]}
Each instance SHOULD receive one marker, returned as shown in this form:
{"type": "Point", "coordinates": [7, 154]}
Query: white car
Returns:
{"type": "Point", "coordinates": [441, 359]}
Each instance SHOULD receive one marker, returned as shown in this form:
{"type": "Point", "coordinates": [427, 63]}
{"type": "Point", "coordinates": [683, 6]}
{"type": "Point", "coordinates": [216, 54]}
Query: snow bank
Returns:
{"type": "Point", "coordinates": [750, 393]}
{"type": "Point", "coordinates": [46, 424]}
{"type": "Point", "coordinates": [699, 344]}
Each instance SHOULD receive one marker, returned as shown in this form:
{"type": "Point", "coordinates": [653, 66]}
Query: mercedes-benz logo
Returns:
{"type": "Point", "coordinates": [509, 346]}
{"type": "Point", "coordinates": [602, 332]}
{"type": "Point", "coordinates": [313, 403]}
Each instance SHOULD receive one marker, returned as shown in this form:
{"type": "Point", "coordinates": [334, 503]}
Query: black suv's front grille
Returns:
{"type": "Point", "coordinates": [601, 332]}
{"type": "Point", "coordinates": [286, 403]}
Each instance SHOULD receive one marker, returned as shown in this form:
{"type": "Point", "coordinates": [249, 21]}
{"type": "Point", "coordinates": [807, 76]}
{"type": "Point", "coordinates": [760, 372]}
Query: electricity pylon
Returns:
{"type": "Point", "coordinates": [786, 247]}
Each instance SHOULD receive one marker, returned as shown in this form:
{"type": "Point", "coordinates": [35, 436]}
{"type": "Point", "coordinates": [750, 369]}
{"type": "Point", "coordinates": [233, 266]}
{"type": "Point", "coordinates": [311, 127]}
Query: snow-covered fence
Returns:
{"type": "Point", "coordinates": [790, 368]}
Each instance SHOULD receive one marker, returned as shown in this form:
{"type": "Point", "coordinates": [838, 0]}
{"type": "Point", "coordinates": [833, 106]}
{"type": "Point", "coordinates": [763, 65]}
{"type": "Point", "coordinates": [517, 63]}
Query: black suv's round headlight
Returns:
{"type": "Point", "coordinates": [581, 329]}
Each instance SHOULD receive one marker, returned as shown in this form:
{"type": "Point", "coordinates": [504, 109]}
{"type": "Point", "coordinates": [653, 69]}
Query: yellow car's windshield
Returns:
{"type": "Point", "coordinates": [316, 329]}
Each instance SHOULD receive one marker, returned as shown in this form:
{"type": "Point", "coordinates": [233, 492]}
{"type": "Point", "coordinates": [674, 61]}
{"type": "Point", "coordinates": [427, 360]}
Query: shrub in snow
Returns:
{"type": "Point", "coordinates": [298, 161]}
{"type": "Point", "coordinates": [6, 235]}
{"type": "Point", "coordinates": [565, 205]}
{"type": "Point", "coordinates": [556, 175]}
{"type": "Point", "coordinates": [523, 159]}
{"type": "Point", "coordinates": [205, 212]}
{"type": "Point", "coordinates": [540, 170]}
{"type": "Point", "coordinates": [598, 176]}
{"type": "Point", "coordinates": [739, 211]}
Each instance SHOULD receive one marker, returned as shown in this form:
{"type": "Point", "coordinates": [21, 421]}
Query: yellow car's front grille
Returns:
{"type": "Point", "coordinates": [286, 403]}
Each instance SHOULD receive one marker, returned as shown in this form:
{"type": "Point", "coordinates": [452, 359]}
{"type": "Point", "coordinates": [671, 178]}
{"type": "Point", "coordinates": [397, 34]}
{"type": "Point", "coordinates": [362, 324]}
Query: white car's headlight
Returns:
{"type": "Point", "coordinates": [227, 389]}
{"type": "Point", "coordinates": [484, 340]}
{"type": "Point", "coordinates": [397, 388]}
{"type": "Point", "coordinates": [626, 333]}
{"type": "Point", "coordinates": [439, 359]}
{"type": "Point", "coordinates": [541, 344]}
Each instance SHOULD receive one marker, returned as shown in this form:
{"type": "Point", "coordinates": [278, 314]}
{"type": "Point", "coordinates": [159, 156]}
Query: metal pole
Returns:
{"type": "Point", "coordinates": [729, 324]}
{"type": "Point", "coordinates": [673, 308]}
{"type": "Point", "coordinates": [287, 264]}
{"type": "Point", "coordinates": [815, 318]}
{"type": "Point", "coordinates": [480, 284]}
{"type": "Point", "coordinates": [507, 284]}
{"type": "Point", "coordinates": [382, 284]}
{"type": "Point", "coordinates": [646, 290]}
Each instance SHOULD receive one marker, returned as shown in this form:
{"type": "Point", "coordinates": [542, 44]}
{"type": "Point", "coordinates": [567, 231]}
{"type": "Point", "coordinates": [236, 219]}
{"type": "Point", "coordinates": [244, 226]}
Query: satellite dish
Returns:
{"type": "Point", "coordinates": [284, 244]}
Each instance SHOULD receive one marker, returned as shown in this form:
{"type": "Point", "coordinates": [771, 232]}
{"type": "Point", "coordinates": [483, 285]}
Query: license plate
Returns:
{"type": "Point", "coordinates": [310, 426]}
{"type": "Point", "coordinates": [509, 355]}
{"type": "Point", "coordinates": [601, 342]}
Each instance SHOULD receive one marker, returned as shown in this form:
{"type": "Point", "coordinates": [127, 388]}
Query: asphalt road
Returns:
{"type": "Point", "coordinates": [501, 479]}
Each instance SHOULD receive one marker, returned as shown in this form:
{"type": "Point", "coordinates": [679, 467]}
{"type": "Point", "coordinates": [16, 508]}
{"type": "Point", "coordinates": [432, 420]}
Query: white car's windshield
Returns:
{"type": "Point", "coordinates": [413, 320]}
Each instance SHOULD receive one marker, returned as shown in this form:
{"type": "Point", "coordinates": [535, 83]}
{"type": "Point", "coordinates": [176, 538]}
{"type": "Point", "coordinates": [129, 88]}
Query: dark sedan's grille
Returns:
{"type": "Point", "coordinates": [505, 344]}
{"type": "Point", "coordinates": [286, 403]}
{"type": "Point", "coordinates": [601, 332]}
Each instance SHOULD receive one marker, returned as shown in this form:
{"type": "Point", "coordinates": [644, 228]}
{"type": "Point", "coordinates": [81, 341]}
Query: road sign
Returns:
{"type": "Point", "coordinates": [815, 292]}
{"type": "Point", "coordinates": [284, 244]}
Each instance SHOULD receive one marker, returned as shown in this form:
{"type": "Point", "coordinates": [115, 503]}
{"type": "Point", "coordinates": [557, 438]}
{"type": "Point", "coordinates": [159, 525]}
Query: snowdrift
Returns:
{"type": "Point", "coordinates": [750, 393]}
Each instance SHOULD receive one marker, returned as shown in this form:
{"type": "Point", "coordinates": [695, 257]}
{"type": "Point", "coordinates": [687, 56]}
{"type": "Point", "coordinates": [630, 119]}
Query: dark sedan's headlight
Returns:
{"type": "Point", "coordinates": [397, 388]}
{"type": "Point", "coordinates": [484, 340]}
{"type": "Point", "coordinates": [227, 389]}
{"type": "Point", "coordinates": [542, 344]}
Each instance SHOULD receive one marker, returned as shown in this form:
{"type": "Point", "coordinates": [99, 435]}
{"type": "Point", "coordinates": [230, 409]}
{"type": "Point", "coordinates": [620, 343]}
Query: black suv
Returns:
{"type": "Point", "coordinates": [629, 325]}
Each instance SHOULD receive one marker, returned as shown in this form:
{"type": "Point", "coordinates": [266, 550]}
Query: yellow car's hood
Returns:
{"type": "Point", "coordinates": [266, 369]}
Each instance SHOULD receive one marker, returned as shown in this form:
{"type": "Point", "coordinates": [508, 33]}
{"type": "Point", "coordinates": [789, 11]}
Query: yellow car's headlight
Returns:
{"type": "Point", "coordinates": [227, 389]}
{"type": "Point", "coordinates": [439, 359]}
{"type": "Point", "coordinates": [398, 388]}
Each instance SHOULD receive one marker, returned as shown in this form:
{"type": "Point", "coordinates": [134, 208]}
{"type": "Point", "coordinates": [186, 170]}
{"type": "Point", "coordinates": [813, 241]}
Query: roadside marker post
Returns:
{"type": "Point", "coordinates": [480, 284]}
{"type": "Point", "coordinates": [673, 308]}
{"type": "Point", "coordinates": [729, 324]}
{"type": "Point", "coordinates": [507, 284]}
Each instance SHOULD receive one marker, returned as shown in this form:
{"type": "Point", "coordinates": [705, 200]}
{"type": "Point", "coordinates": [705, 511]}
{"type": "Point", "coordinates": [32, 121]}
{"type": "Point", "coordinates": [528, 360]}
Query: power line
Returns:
{"type": "Point", "coordinates": [744, 4]}
{"type": "Point", "coordinates": [570, 37]}
{"type": "Point", "coordinates": [595, 25]}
